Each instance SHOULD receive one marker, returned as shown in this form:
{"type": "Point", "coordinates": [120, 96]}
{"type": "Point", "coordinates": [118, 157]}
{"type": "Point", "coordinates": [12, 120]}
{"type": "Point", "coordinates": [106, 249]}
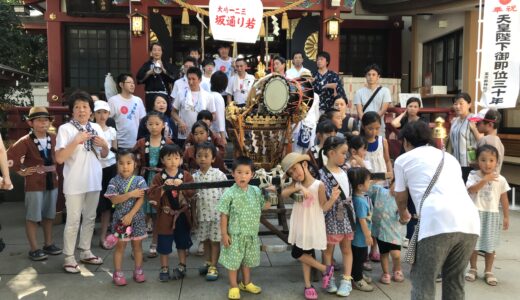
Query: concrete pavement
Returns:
{"type": "Point", "coordinates": [279, 275]}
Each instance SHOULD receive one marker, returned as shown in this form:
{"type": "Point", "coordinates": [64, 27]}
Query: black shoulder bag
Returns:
{"type": "Point", "coordinates": [371, 98]}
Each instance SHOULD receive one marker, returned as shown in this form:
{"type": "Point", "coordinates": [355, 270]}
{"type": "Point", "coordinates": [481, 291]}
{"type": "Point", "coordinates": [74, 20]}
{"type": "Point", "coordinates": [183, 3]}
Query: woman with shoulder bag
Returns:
{"type": "Point", "coordinates": [448, 225]}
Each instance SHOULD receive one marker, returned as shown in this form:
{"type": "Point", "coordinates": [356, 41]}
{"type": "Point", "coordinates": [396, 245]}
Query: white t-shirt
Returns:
{"type": "Point", "coordinates": [43, 143]}
{"type": "Point", "coordinates": [205, 83]}
{"type": "Point", "coordinates": [127, 113]}
{"type": "Point", "coordinates": [219, 124]}
{"type": "Point", "coordinates": [383, 96]}
{"type": "Point", "coordinates": [448, 208]}
{"type": "Point", "coordinates": [189, 104]}
{"type": "Point", "coordinates": [225, 66]}
{"type": "Point", "coordinates": [82, 171]}
{"type": "Point", "coordinates": [239, 88]}
{"type": "Point", "coordinates": [179, 86]}
{"type": "Point", "coordinates": [293, 73]}
{"type": "Point", "coordinates": [110, 135]}
{"type": "Point", "coordinates": [488, 197]}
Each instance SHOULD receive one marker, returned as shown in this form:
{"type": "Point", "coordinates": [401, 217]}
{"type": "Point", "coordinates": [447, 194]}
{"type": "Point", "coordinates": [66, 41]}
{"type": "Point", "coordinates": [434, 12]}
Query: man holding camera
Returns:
{"type": "Point", "coordinates": [156, 75]}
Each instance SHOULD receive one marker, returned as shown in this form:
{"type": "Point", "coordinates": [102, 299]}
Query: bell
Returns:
{"type": "Point", "coordinates": [185, 19]}
{"type": "Point", "coordinates": [285, 21]}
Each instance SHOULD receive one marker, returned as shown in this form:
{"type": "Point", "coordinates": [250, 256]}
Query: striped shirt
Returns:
{"type": "Point", "coordinates": [462, 139]}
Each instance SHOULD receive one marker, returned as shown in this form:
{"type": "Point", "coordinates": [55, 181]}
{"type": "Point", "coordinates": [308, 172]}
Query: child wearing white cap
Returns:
{"type": "Point", "coordinates": [101, 115]}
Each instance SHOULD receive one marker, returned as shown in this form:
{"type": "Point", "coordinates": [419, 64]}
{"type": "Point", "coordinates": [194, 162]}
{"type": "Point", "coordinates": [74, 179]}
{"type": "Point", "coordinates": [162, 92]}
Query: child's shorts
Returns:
{"type": "Point", "coordinates": [297, 252]}
{"type": "Point", "coordinates": [40, 205]}
{"type": "Point", "coordinates": [335, 239]}
{"type": "Point", "coordinates": [208, 230]}
{"type": "Point", "coordinates": [181, 236]}
{"type": "Point", "coordinates": [244, 250]}
{"type": "Point", "coordinates": [385, 247]}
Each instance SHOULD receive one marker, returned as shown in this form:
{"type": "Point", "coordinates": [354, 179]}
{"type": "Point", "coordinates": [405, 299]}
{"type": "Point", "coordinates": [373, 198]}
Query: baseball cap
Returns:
{"type": "Point", "coordinates": [100, 104]}
{"type": "Point", "coordinates": [487, 115]}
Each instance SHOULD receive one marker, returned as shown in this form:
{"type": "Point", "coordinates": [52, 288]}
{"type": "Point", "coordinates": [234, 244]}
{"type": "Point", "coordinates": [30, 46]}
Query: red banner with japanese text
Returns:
{"type": "Point", "coordinates": [235, 20]}
{"type": "Point", "coordinates": [500, 62]}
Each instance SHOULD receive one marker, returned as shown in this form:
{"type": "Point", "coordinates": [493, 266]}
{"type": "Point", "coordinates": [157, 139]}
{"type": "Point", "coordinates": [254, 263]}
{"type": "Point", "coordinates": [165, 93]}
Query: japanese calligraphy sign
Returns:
{"type": "Point", "coordinates": [235, 20]}
{"type": "Point", "coordinates": [500, 64]}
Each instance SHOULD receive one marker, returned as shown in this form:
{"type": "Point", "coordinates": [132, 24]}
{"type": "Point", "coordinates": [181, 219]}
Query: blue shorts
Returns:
{"type": "Point", "coordinates": [181, 236]}
{"type": "Point", "coordinates": [40, 205]}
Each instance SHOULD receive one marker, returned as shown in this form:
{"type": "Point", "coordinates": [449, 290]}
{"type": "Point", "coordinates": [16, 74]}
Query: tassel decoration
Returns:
{"type": "Point", "coordinates": [262, 29]}
{"type": "Point", "coordinates": [185, 20]}
{"type": "Point", "coordinates": [285, 21]}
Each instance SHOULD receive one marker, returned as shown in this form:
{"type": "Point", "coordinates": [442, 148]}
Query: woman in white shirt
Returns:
{"type": "Point", "coordinates": [449, 221]}
{"type": "Point", "coordinates": [80, 145]}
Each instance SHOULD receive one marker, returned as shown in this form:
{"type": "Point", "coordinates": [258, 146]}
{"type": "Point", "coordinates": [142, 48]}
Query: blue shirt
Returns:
{"type": "Point", "coordinates": [363, 210]}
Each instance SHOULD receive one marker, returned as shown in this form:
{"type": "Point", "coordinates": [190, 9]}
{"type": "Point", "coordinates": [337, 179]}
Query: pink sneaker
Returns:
{"type": "Point", "coordinates": [139, 275]}
{"type": "Point", "coordinates": [119, 278]}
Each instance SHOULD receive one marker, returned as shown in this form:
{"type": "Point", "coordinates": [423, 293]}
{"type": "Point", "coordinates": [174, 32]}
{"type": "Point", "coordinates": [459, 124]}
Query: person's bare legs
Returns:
{"type": "Point", "coordinates": [215, 251]}
{"type": "Point", "coordinates": [246, 275]}
{"type": "Point", "coordinates": [396, 260]}
{"type": "Point", "coordinates": [118, 255]}
{"type": "Point", "coordinates": [385, 261]}
{"type": "Point", "coordinates": [489, 259]}
{"type": "Point", "coordinates": [137, 248]}
{"type": "Point", "coordinates": [182, 256]}
{"type": "Point", "coordinates": [232, 275]}
{"type": "Point", "coordinates": [346, 251]}
{"type": "Point", "coordinates": [327, 254]}
{"type": "Point", "coordinates": [30, 230]}
{"type": "Point", "coordinates": [306, 275]}
{"type": "Point", "coordinates": [473, 260]}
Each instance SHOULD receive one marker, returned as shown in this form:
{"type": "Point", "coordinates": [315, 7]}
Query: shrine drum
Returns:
{"type": "Point", "coordinates": [281, 95]}
{"type": "Point", "coordinates": [275, 94]}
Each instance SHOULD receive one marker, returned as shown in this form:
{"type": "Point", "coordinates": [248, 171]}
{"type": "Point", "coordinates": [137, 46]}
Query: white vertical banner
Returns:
{"type": "Point", "coordinates": [235, 20]}
{"type": "Point", "coordinates": [500, 60]}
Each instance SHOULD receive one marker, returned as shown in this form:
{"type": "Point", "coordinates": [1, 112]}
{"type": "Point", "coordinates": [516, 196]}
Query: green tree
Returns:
{"type": "Point", "coordinates": [22, 51]}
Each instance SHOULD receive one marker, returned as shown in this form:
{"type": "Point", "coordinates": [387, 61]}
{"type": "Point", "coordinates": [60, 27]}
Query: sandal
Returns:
{"type": "Point", "coordinates": [234, 293]}
{"type": "Point", "coordinates": [37, 255]}
{"type": "Point", "coordinates": [471, 275]}
{"type": "Point", "coordinates": [310, 293]}
{"type": "Point", "coordinates": [490, 279]}
{"type": "Point", "coordinates": [91, 259]}
{"type": "Point", "coordinates": [73, 269]}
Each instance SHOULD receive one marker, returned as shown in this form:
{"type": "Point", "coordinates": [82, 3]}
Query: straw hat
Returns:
{"type": "Point", "coordinates": [293, 158]}
{"type": "Point", "coordinates": [38, 112]}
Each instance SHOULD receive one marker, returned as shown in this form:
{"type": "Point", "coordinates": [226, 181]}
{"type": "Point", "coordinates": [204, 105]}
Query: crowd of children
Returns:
{"type": "Point", "coordinates": [135, 173]}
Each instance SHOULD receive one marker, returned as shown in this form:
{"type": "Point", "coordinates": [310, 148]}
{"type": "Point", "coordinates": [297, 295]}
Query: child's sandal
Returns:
{"type": "Point", "coordinates": [310, 293]}
{"type": "Point", "coordinates": [490, 279]}
{"type": "Point", "coordinates": [234, 293]}
{"type": "Point", "coordinates": [471, 275]}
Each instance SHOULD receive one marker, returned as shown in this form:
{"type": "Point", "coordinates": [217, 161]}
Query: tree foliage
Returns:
{"type": "Point", "coordinates": [23, 51]}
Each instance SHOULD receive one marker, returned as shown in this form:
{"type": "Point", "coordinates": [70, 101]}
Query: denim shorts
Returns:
{"type": "Point", "coordinates": [40, 205]}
